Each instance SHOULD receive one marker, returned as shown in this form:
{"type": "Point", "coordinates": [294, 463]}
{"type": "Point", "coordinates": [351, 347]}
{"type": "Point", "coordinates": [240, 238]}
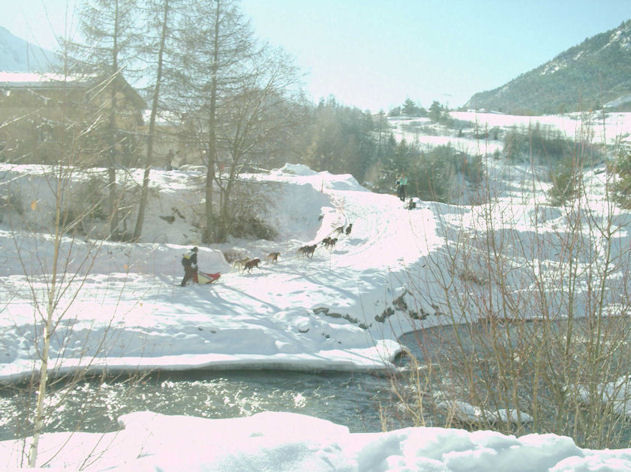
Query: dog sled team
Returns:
{"type": "Point", "coordinates": [193, 274]}
{"type": "Point", "coordinates": [328, 242]}
{"type": "Point", "coordinates": [247, 264]}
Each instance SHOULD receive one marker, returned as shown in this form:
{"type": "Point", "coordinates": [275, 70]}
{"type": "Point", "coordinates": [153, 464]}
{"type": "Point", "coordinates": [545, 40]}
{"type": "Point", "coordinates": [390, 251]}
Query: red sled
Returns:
{"type": "Point", "coordinates": [206, 278]}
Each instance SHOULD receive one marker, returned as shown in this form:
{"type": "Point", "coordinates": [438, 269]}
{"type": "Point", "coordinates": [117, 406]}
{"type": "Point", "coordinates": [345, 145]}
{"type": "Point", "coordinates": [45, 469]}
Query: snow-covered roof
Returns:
{"type": "Point", "coordinates": [20, 80]}
{"type": "Point", "coordinates": [33, 79]}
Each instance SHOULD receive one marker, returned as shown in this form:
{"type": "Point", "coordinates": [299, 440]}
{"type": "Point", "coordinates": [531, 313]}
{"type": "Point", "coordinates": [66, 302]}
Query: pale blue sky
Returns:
{"type": "Point", "coordinates": [374, 54]}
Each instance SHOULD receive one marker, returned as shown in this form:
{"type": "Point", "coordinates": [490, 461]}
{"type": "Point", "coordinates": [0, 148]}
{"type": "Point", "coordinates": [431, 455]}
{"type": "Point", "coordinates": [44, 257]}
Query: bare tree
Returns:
{"type": "Point", "coordinates": [61, 272]}
{"type": "Point", "coordinates": [257, 121]}
{"type": "Point", "coordinates": [160, 13]}
{"type": "Point", "coordinates": [217, 46]}
{"type": "Point", "coordinates": [56, 258]}
{"type": "Point", "coordinates": [536, 322]}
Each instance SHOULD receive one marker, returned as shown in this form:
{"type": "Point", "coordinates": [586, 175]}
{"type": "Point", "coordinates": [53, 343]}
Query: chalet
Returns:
{"type": "Point", "coordinates": [47, 117]}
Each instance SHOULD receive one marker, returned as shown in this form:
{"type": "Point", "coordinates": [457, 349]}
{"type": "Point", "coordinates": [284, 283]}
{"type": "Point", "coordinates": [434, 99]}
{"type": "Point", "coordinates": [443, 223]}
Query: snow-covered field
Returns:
{"type": "Point", "coordinates": [614, 128]}
{"type": "Point", "coordinates": [343, 309]}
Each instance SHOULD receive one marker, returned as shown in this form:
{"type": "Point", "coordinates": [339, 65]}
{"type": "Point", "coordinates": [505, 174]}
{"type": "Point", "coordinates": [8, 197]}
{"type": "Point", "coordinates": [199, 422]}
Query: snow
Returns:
{"type": "Point", "coordinates": [336, 311]}
{"type": "Point", "coordinates": [573, 125]}
{"type": "Point", "coordinates": [615, 126]}
{"type": "Point", "coordinates": [276, 441]}
{"type": "Point", "coordinates": [29, 77]}
{"type": "Point", "coordinates": [299, 313]}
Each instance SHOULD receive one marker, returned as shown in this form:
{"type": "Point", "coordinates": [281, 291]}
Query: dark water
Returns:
{"type": "Point", "coordinates": [95, 404]}
{"type": "Point", "coordinates": [358, 400]}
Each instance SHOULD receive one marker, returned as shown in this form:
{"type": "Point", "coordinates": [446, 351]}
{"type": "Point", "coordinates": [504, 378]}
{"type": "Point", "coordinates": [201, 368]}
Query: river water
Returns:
{"type": "Point", "coordinates": [358, 400]}
{"type": "Point", "coordinates": [94, 404]}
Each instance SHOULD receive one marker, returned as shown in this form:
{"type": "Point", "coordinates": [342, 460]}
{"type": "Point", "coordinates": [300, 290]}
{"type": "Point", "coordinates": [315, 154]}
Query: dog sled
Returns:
{"type": "Point", "coordinates": [206, 278]}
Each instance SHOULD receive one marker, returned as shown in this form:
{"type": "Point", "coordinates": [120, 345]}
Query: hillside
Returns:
{"type": "Point", "coordinates": [18, 55]}
{"type": "Point", "coordinates": [595, 73]}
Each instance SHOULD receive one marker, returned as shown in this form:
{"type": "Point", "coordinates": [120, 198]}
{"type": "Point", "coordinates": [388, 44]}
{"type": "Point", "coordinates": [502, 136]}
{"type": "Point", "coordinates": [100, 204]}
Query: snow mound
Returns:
{"type": "Point", "coordinates": [295, 169]}
{"type": "Point", "coordinates": [288, 442]}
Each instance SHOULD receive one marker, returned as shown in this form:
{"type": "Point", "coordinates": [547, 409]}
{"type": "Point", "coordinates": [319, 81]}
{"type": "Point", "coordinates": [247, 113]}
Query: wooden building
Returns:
{"type": "Point", "coordinates": [45, 118]}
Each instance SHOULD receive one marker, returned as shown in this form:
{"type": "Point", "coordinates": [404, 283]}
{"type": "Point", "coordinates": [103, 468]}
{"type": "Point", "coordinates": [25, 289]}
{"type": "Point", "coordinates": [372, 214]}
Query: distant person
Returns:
{"type": "Point", "coordinates": [169, 160]}
{"type": "Point", "coordinates": [189, 262]}
{"type": "Point", "coordinates": [402, 183]}
{"type": "Point", "coordinates": [411, 205]}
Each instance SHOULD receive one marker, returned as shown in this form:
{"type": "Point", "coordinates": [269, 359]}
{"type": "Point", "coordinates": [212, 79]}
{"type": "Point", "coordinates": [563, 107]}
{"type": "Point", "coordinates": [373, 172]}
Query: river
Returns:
{"type": "Point", "coordinates": [358, 400]}
{"type": "Point", "coordinates": [94, 404]}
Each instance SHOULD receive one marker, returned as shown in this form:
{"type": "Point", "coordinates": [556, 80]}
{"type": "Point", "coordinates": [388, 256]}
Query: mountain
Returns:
{"type": "Point", "coordinates": [585, 77]}
{"type": "Point", "coordinates": [18, 55]}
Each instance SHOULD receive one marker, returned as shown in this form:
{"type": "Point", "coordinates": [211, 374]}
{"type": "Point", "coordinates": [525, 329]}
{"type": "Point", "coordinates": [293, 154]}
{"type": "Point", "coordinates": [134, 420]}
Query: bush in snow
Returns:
{"type": "Point", "coordinates": [567, 179]}
{"type": "Point", "coordinates": [622, 186]}
{"type": "Point", "coordinates": [247, 219]}
{"type": "Point", "coordinates": [542, 144]}
{"type": "Point", "coordinates": [538, 325]}
{"type": "Point", "coordinates": [434, 177]}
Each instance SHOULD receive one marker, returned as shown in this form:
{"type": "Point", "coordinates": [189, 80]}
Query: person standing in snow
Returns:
{"type": "Point", "coordinates": [169, 160]}
{"type": "Point", "coordinates": [189, 261]}
{"type": "Point", "coordinates": [402, 182]}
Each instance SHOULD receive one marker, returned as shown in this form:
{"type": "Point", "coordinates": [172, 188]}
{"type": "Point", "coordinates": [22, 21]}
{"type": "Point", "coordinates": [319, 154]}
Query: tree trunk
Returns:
{"type": "Point", "coordinates": [152, 121]}
{"type": "Point", "coordinates": [212, 134]}
{"type": "Point", "coordinates": [224, 219]}
{"type": "Point", "coordinates": [111, 171]}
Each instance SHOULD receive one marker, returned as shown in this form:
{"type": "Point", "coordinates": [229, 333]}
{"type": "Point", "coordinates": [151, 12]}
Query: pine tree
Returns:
{"type": "Point", "coordinates": [435, 112]}
{"type": "Point", "coordinates": [110, 39]}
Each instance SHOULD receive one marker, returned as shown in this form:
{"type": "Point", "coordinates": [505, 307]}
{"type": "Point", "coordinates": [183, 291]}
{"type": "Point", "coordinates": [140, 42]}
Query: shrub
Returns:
{"type": "Point", "coordinates": [536, 328]}
{"type": "Point", "coordinates": [622, 186]}
{"type": "Point", "coordinates": [567, 180]}
{"type": "Point", "coordinates": [246, 220]}
{"type": "Point", "coordinates": [543, 144]}
{"type": "Point", "coordinates": [433, 176]}
{"type": "Point", "coordinates": [85, 206]}
{"type": "Point", "coordinates": [252, 227]}
{"type": "Point", "coordinates": [13, 201]}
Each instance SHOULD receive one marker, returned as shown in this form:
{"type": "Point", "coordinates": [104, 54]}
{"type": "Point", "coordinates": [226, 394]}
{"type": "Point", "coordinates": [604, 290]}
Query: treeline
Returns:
{"type": "Point", "coordinates": [228, 98]}
{"type": "Point", "coordinates": [341, 139]}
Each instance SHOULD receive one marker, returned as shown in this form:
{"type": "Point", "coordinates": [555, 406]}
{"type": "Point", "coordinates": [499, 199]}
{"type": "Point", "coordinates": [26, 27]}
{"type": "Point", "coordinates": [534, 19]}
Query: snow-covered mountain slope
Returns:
{"type": "Point", "coordinates": [584, 77]}
{"type": "Point", "coordinates": [18, 55]}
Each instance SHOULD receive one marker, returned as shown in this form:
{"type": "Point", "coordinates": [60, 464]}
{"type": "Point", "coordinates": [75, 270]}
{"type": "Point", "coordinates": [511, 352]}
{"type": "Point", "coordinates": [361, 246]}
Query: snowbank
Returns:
{"type": "Point", "coordinates": [290, 442]}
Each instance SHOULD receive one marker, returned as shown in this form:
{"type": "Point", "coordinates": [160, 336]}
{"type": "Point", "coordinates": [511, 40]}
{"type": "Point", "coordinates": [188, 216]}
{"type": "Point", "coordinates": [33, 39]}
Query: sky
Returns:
{"type": "Point", "coordinates": [373, 54]}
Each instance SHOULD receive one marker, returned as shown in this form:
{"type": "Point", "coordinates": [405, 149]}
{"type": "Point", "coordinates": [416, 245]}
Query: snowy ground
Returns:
{"type": "Point", "coordinates": [343, 309]}
{"type": "Point", "coordinates": [614, 128]}
{"type": "Point", "coordinates": [299, 313]}
{"type": "Point", "coordinates": [287, 442]}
